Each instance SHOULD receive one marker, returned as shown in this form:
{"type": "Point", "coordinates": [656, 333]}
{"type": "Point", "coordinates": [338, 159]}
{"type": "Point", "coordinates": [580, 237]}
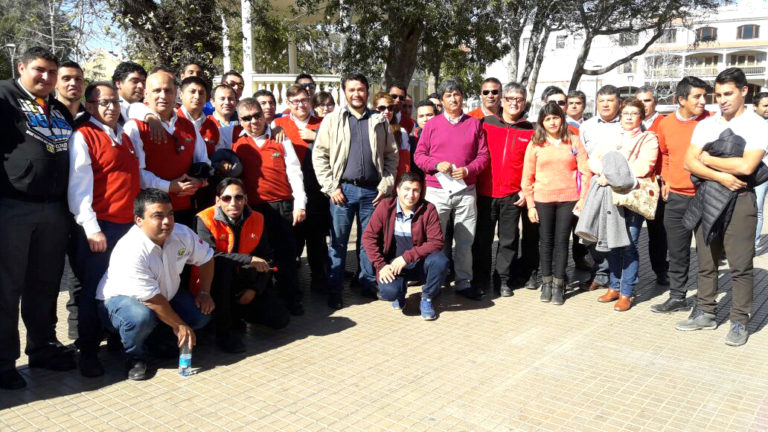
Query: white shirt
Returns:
{"type": "Point", "coordinates": [647, 123]}
{"type": "Point", "coordinates": [199, 122]}
{"type": "Point", "coordinates": [301, 124]}
{"type": "Point", "coordinates": [747, 125]}
{"type": "Point", "coordinates": [452, 120]}
{"type": "Point", "coordinates": [141, 269]}
{"type": "Point", "coordinates": [292, 164]}
{"type": "Point", "coordinates": [80, 189]}
{"type": "Point", "coordinates": [148, 178]}
{"type": "Point", "coordinates": [595, 130]}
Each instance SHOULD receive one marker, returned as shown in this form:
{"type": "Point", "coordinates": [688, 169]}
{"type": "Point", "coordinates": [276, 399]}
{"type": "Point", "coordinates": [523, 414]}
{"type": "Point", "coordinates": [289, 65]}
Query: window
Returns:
{"type": "Point", "coordinates": [629, 67]}
{"type": "Point", "coordinates": [628, 39]}
{"type": "Point", "coordinates": [669, 36]}
{"type": "Point", "coordinates": [747, 59]}
{"type": "Point", "coordinates": [748, 31]}
{"type": "Point", "coordinates": [706, 34]}
{"type": "Point", "coordinates": [560, 42]}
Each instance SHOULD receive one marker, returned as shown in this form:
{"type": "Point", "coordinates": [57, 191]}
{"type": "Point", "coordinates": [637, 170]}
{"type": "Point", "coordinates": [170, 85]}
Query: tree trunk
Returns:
{"type": "Point", "coordinates": [534, 77]}
{"type": "Point", "coordinates": [578, 70]}
{"type": "Point", "coordinates": [403, 52]}
{"type": "Point", "coordinates": [514, 59]}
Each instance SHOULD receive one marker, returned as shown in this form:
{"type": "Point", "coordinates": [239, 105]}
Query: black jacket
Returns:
{"type": "Point", "coordinates": [34, 146]}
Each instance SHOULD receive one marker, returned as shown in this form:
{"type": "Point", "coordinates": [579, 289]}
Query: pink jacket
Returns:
{"type": "Point", "coordinates": [640, 148]}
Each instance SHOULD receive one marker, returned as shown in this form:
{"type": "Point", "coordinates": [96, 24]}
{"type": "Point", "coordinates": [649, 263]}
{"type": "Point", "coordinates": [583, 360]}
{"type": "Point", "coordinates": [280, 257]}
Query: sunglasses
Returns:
{"type": "Point", "coordinates": [493, 92]}
{"type": "Point", "coordinates": [382, 108]}
{"type": "Point", "coordinates": [308, 86]}
{"type": "Point", "coordinates": [228, 198]}
{"type": "Point", "coordinates": [235, 84]}
{"type": "Point", "coordinates": [251, 117]}
{"type": "Point", "coordinates": [561, 102]}
{"type": "Point", "coordinates": [401, 97]}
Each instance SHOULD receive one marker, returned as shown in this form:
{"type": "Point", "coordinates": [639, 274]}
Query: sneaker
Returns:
{"type": "Point", "coordinates": [737, 335]}
{"type": "Point", "coordinates": [698, 320]}
{"type": "Point", "coordinates": [399, 303]}
{"type": "Point", "coordinates": [427, 311]}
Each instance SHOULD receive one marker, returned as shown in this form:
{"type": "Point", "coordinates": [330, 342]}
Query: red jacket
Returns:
{"type": "Point", "coordinates": [507, 143]}
{"type": "Point", "coordinates": [379, 237]}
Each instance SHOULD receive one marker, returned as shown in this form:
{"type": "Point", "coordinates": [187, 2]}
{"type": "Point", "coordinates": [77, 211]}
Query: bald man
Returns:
{"type": "Point", "coordinates": [165, 164]}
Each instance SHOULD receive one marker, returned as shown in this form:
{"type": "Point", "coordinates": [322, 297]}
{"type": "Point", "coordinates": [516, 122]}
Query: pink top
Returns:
{"type": "Point", "coordinates": [640, 148]}
{"type": "Point", "coordinates": [550, 173]}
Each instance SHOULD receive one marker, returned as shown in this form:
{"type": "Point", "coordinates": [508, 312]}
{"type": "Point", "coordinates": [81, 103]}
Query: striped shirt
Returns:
{"type": "Point", "coordinates": [403, 239]}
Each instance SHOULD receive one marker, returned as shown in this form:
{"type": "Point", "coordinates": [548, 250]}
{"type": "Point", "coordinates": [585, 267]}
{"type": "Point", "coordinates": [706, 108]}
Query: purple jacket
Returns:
{"type": "Point", "coordinates": [462, 144]}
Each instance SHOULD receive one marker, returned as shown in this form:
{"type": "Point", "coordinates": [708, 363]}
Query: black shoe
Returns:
{"type": "Point", "coordinates": [471, 293]}
{"type": "Point", "coordinates": [412, 283]}
{"type": "Point", "coordinates": [11, 379]}
{"type": "Point", "coordinates": [137, 370]}
{"type": "Point", "coordinates": [335, 302]}
{"type": "Point", "coordinates": [90, 366]}
{"type": "Point", "coordinates": [62, 360]}
{"type": "Point", "coordinates": [558, 292]}
{"type": "Point", "coordinates": [231, 343]}
{"type": "Point", "coordinates": [506, 291]}
{"type": "Point", "coordinates": [369, 293]}
{"type": "Point", "coordinates": [533, 281]}
{"type": "Point", "coordinates": [546, 291]}
{"type": "Point", "coordinates": [295, 308]}
{"type": "Point", "coordinates": [662, 279]}
{"type": "Point", "coordinates": [670, 305]}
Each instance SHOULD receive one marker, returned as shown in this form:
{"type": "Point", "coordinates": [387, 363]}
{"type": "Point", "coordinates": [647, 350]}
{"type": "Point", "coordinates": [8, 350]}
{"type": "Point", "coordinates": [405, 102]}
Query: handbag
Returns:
{"type": "Point", "coordinates": [644, 198]}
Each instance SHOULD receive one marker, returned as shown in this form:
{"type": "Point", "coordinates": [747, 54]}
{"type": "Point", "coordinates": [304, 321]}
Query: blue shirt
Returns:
{"type": "Point", "coordinates": [403, 238]}
{"type": "Point", "coordinates": [360, 160]}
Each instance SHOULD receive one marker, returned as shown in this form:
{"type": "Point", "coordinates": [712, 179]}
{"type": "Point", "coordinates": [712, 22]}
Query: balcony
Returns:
{"type": "Point", "coordinates": [702, 70]}
{"type": "Point", "coordinates": [750, 69]}
{"type": "Point", "coordinates": [663, 72]}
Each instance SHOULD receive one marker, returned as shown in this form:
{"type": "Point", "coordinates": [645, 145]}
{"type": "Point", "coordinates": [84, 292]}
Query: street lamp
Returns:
{"type": "Point", "coordinates": [12, 50]}
{"type": "Point", "coordinates": [630, 78]}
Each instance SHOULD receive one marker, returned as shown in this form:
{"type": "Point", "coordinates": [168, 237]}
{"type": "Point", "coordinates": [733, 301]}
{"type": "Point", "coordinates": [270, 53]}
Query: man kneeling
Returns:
{"type": "Point", "coordinates": [242, 287]}
{"type": "Point", "coordinates": [404, 242]}
{"type": "Point", "coordinates": [141, 285]}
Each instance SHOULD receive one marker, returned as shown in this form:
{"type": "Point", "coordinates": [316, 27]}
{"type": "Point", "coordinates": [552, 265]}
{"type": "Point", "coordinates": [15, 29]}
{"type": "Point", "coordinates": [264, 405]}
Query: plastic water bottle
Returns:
{"type": "Point", "coordinates": [185, 360]}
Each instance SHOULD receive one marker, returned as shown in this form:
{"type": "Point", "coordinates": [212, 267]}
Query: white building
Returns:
{"type": "Point", "coordinates": [730, 37]}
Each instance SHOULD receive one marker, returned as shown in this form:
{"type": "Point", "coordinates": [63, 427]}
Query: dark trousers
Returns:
{"type": "Point", "coordinates": [89, 267]}
{"type": "Point", "coordinates": [555, 222]}
{"type": "Point", "coordinates": [313, 232]}
{"type": "Point", "coordinates": [228, 283]}
{"type": "Point", "coordinates": [490, 212]}
{"type": "Point", "coordinates": [433, 269]}
{"type": "Point", "coordinates": [278, 221]}
{"type": "Point", "coordinates": [678, 243]}
{"type": "Point", "coordinates": [657, 241]}
{"type": "Point", "coordinates": [738, 241]}
{"type": "Point", "coordinates": [31, 262]}
{"type": "Point", "coordinates": [528, 259]}
{"type": "Point", "coordinates": [69, 281]}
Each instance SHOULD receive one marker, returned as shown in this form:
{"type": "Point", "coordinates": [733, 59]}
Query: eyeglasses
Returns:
{"type": "Point", "coordinates": [382, 108]}
{"type": "Point", "coordinates": [401, 97]}
{"type": "Point", "coordinates": [516, 100]}
{"type": "Point", "coordinates": [310, 86]}
{"type": "Point", "coordinates": [252, 117]}
{"type": "Point", "coordinates": [228, 198]}
{"type": "Point", "coordinates": [234, 84]}
{"type": "Point", "coordinates": [106, 102]}
{"type": "Point", "coordinates": [327, 106]}
{"type": "Point", "coordinates": [299, 101]}
{"type": "Point", "coordinates": [560, 102]}
{"type": "Point", "coordinates": [630, 114]}
{"type": "Point", "coordinates": [493, 92]}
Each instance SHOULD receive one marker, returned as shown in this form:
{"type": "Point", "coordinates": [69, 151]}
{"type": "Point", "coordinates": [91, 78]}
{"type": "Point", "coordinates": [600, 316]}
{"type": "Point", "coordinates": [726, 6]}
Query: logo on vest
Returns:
{"type": "Point", "coordinates": [276, 154]}
{"type": "Point", "coordinates": [181, 252]}
{"type": "Point", "coordinates": [222, 237]}
{"type": "Point", "coordinates": [253, 236]}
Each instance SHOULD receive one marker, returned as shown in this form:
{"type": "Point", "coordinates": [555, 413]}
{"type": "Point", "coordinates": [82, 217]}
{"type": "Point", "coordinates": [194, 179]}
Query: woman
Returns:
{"type": "Point", "coordinates": [641, 149]}
{"type": "Point", "coordinates": [323, 103]}
{"type": "Point", "coordinates": [553, 164]}
{"type": "Point", "coordinates": [384, 104]}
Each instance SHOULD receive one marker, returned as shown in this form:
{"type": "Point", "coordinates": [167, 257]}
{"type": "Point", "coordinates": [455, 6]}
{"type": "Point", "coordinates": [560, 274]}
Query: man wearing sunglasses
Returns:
{"type": "Point", "coordinates": [241, 288]}
{"type": "Point", "coordinates": [398, 93]}
{"type": "Point", "coordinates": [490, 96]}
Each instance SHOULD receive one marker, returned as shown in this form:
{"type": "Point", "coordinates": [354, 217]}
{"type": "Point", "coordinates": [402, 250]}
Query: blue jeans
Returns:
{"type": "Point", "coordinates": [359, 203]}
{"type": "Point", "coordinates": [135, 322]}
{"type": "Point", "coordinates": [760, 195]}
{"type": "Point", "coordinates": [625, 261]}
{"type": "Point", "coordinates": [433, 268]}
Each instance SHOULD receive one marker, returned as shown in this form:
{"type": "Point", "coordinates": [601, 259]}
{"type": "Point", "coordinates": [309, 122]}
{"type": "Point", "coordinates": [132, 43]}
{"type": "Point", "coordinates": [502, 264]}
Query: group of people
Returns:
{"type": "Point", "coordinates": [173, 204]}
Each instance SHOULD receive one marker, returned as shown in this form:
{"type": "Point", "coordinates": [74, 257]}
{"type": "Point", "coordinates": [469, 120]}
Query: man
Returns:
{"type": "Point", "coordinates": [235, 81]}
{"type": "Point", "coordinates": [490, 99]}
{"type": "Point", "coordinates": [34, 221]}
{"type": "Point", "coordinates": [407, 108]}
{"type": "Point", "coordinates": [69, 89]}
{"type": "Point", "coordinates": [761, 104]}
{"type": "Point", "coordinates": [500, 200]}
{"type": "Point", "coordinates": [435, 99]}
{"type": "Point", "coordinates": [273, 179]}
{"type": "Point", "coordinates": [130, 79]}
{"type": "Point", "coordinates": [554, 94]}
{"type": "Point", "coordinates": [305, 80]}
{"type": "Point", "coordinates": [268, 105]}
{"type": "Point", "coordinates": [734, 124]}
{"type": "Point", "coordinates": [577, 101]}
{"type": "Point", "coordinates": [425, 111]}
{"type": "Point", "coordinates": [404, 242]}
{"type": "Point", "coordinates": [657, 236]}
{"type": "Point", "coordinates": [677, 191]}
{"type": "Point", "coordinates": [398, 93]}
{"type": "Point", "coordinates": [166, 165]}
{"type": "Point", "coordinates": [604, 126]}
{"type": "Point", "coordinates": [194, 93]}
{"type": "Point", "coordinates": [454, 145]}
{"type": "Point", "coordinates": [241, 288]}
{"type": "Point", "coordinates": [355, 160]}
{"type": "Point", "coordinates": [224, 101]}
{"type": "Point", "coordinates": [141, 286]}
{"type": "Point", "coordinates": [192, 69]}
{"type": "Point", "coordinates": [104, 179]}
{"type": "Point", "coordinates": [301, 129]}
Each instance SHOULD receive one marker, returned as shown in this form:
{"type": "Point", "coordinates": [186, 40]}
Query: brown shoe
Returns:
{"type": "Point", "coordinates": [595, 285]}
{"type": "Point", "coordinates": [609, 296]}
{"type": "Point", "coordinates": [623, 305]}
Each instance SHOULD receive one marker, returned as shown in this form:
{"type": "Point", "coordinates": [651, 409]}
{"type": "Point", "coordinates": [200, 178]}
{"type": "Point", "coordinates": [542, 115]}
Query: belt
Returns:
{"type": "Point", "coordinates": [360, 183]}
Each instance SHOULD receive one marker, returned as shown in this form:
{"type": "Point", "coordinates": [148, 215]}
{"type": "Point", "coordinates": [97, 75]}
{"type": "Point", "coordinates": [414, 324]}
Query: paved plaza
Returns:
{"type": "Point", "coordinates": [501, 364]}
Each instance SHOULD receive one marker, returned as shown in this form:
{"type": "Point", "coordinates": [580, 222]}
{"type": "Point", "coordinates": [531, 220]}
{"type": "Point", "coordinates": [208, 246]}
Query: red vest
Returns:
{"type": "Point", "coordinates": [116, 178]}
{"type": "Point", "coordinates": [407, 123]}
{"type": "Point", "coordinates": [292, 132]}
{"type": "Point", "coordinates": [208, 130]}
{"type": "Point", "coordinates": [264, 173]}
{"type": "Point", "coordinates": [173, 159]}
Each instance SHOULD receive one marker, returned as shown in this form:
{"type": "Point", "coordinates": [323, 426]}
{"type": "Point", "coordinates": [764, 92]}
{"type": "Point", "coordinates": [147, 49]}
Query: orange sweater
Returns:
{"type": "Point", "coordinates": [549, 173]}
{"type": "Point", "coordinates": [674, 140]}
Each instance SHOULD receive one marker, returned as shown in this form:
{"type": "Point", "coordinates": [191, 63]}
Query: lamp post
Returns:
{"type": "Point", "coordinates": [12, 50]}
{"type": "Point", "coordinates": [597, 66]}
{"type": "Point", "coordinates": [630, 78]}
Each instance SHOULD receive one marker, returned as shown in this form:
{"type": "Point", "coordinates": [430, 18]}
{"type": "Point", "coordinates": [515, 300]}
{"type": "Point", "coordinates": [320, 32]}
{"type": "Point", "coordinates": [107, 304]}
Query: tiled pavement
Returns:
{"type": "Point", "coordinates": [502, 364]}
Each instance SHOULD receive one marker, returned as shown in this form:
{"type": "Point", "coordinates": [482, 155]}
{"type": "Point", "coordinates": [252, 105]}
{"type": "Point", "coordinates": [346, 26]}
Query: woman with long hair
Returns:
{"type": "Point", "coordinates": [323, 103]}
{"type": "Point", "coordinates": [554, 161]}
{"type": "Point", "coordinates": [383, 103]}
